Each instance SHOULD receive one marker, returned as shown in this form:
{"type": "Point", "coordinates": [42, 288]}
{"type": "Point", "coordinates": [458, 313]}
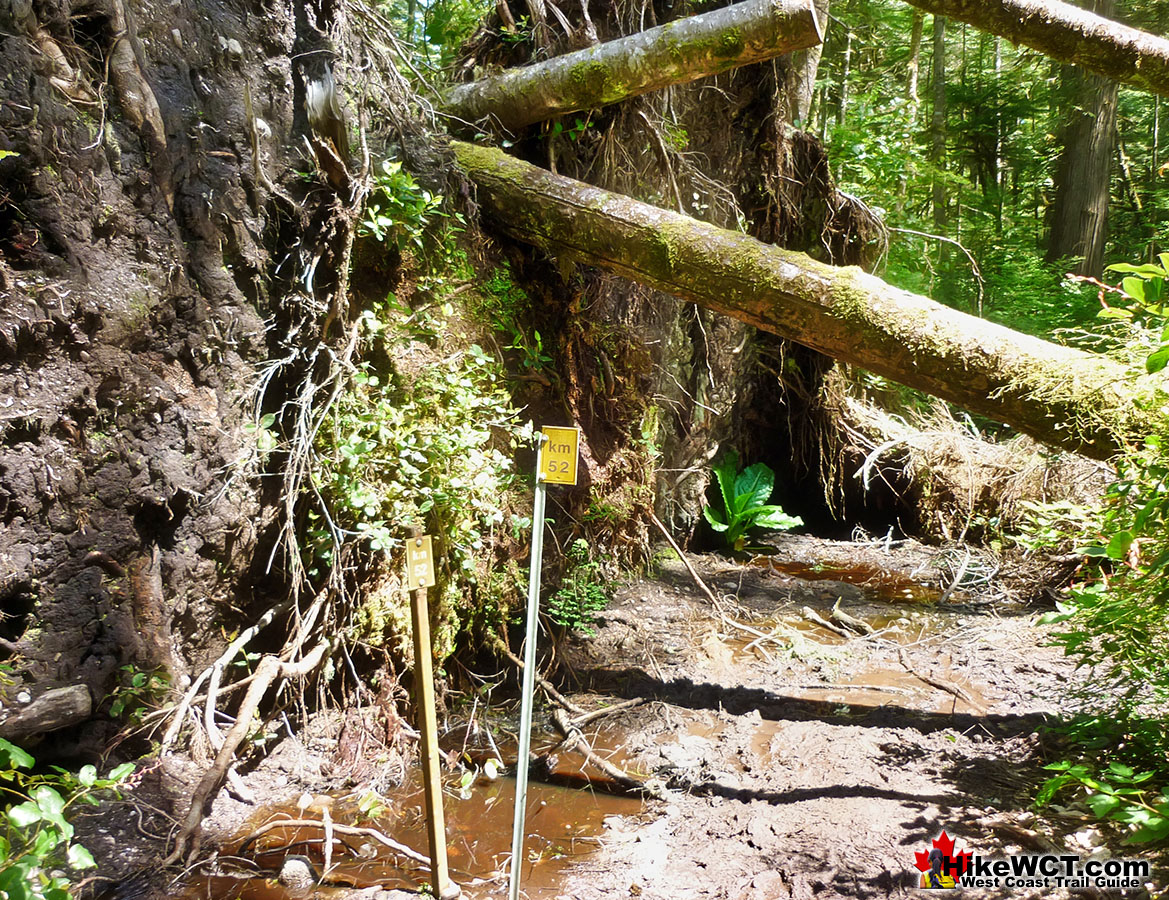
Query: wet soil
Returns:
{"type": "Point", "coordinates": [795, 761]}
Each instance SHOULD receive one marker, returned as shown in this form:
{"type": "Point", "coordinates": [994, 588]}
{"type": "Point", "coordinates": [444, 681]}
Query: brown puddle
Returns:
{"type": "Point", "coordinates": [562, 825]}
{"type": "Point", "coordinates": [892, 587]}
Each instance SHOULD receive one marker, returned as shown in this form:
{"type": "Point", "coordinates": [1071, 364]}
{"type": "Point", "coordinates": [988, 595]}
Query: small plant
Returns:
{"type": "Point", "coordinates": [744, 498]}
{"type": "Point", "coordinates": [581, 594]}
{"type": "Point", "coordinates": [1147, 302]}
{"type": "Point", "coordinates": [36, 844]}
{"type": "Point", "coordinates": [138, 694]}
{"type": "Point", "coordinates": [398, 211]}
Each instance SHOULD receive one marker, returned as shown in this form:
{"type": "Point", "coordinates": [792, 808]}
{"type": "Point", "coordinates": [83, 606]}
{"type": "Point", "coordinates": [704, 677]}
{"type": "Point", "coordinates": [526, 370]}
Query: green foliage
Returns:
{"type": "Point", "coordinates": [1144, 289]}
{"type": "Point", "coordinates": [37, 850]}
{"type": "Point", "coordinates": [1116, 625]}
{"type": "Point", "coordinates": [398, 211]}
{"type": "Point", "coordinates": [744, 498]}
{"type": "Point", "coordinates": [427, 444]}
{"type": "Point", "coordinates": [1114, 792]}
{"type": "Point", "coordinates": [138, 693]}
{"type": "Point", "coordinates": [505, 307]}
{"type": "Point", "coordinates": [582, 593]}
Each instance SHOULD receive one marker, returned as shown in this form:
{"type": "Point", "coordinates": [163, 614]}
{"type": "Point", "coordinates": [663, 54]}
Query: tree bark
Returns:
{"type": "Point", "coordinates": [677, 52]}
{"type": "Point", "coordinates": [938, 128]}
{"type": "Point", "coordinates": [1069, 35]}
{"type": "Point", "coordinates": [1083, 177]}
{"type": "Point", "coordinates": [1065, 397]}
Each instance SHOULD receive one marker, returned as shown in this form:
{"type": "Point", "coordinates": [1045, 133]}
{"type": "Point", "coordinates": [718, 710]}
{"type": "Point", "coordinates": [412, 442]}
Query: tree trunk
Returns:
{"type": "Point", "coordinates": [938, 126]}
{"type": "Point", "coordinates": [1061, 396]}
{"type": "Point", "coordinates": [1068, 34]}
{"type": "Point", "coordinates": [800, 76]}
{"type": "Point", "coordinates": [912, 105]}
{"type": "Point", "coordinates": [679, 51]}
{"type": "Point", "coordinates": [1083, 178]}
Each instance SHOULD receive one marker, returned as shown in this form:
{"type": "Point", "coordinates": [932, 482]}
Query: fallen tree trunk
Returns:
{"type": "Point", "coordinates": [677, 52]}
{"type": "Point", "coordinates": [1061, 396]}
{"type": "Point", "coordinates": [1068, 34]}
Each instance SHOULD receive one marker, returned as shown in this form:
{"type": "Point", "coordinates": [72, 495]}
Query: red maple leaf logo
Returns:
{"type": "Point", "coordinates": [946, 844]}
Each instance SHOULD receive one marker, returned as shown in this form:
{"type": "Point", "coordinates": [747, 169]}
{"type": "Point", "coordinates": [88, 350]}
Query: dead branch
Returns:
{"type": "Point", "coordinates": [269, 669]}
{"type": "Point", "coordinates": [574, 740]}
{"type": "Point", "coordinates": [814, 617]}
{"type": "Point", "coordinates": [946, 686]}
{"type": "Point", "coordinates": [337, 828]}
{"type": "Point", "coordinates": [542, 681]}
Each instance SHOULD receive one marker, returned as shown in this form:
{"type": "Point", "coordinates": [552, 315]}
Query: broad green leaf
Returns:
{"type": "Point", "coordinates": [12, 756]}
{"type": "Point", "coordinates": [87, 776]}
{"type": "Point", "coordinates": [25, 814]}
{"type": "Point", "coordinates": [50, 802]}
{"type": "Point", "coordinates": [1114, 312]}
{"type": "Point", "coordinates": [753, 487]}
{"type": "Point", "coordinates": [1119, 544]}
{"type": "Point", "coordinates": [1157, 360]}
{"type": "Point", "coordinates": [714, 518]}
{"type": "Point", "coordinates": [775, 517]}
{"type": "Point", "coordinates": [80, 858]}
{"type": "Point", "coordinates": [1134, 287]}
{"type": "Point", "coordinates": [1102, 804]}
{"type": "Point", "coordinates": [1147, 269]}
{"type": "Point", "coordinates": [725, 470]}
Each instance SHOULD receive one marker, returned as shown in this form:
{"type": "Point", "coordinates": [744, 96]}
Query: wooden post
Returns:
{"type": "Point", "coordinates": [440, 883]}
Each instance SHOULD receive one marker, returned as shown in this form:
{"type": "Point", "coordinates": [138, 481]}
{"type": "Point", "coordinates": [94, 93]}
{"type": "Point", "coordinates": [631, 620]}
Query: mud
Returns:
{"type": "Point", "coordinates": [800, 764]}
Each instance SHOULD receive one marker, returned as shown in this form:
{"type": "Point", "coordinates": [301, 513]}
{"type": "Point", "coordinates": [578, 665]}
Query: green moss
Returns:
{"type": "Point", "coordinates": [592, 84]}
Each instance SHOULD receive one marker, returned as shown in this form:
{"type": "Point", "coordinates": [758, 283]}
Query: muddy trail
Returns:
{"type": "Point", "coordinates": [839, 707]}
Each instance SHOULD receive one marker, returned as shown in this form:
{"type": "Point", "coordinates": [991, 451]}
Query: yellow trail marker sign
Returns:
{"type": "Point", "coordinates": [558, 456]}
{"type": "Point", "coordinates": [419, 563]}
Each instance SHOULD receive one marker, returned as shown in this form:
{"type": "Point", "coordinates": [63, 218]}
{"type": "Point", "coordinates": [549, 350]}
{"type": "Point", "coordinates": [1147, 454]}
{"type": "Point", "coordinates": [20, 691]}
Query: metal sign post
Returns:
{"type": "Point", "coordinates": [420, 575]}
{"type": "Point", "coordinates": [556, 464]}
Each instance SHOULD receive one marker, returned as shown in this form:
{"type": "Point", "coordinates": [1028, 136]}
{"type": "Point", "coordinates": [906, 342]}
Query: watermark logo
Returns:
{"type": "Point", "coordinates": [942, 866]}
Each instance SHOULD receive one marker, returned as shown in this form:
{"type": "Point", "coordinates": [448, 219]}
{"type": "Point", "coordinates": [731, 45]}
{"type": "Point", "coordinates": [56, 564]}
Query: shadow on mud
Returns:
{"type": "Point", "coordinates": [686, 693]}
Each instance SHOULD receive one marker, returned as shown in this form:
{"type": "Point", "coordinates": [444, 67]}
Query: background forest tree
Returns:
{"type": "Point", "coordinates": [983, 158]}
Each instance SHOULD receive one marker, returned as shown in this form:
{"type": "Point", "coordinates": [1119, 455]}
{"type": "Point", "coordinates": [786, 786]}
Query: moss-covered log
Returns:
{"type": "Point", "coordinates": [679, 51]}
{"type": "Point", "coordinates": [1068, 34]}
{"type": "Point", "coordinates": [1059, 395]}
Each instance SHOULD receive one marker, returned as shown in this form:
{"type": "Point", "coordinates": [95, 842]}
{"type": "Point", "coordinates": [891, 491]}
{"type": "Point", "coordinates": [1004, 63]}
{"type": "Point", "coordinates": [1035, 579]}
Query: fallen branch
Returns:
{"type": "Point", "coordinates": [542, 681]}
{"type": "Point", "coordinates": [574, 740]}
{"type": "Point", "coordinates": [682, 556]}
{"type": "Point", "coordinates": [815, 618]}
{"type": "Point", "coordinates": [849, 621]}
{"type": "Point", "coordinates": [674, 53]}
{"type": "Point", "coordinates": [337, 828]}
{"type": "Point", "coordinates": [578, 721]}
{"type": "Point", "coordinates": [946, 686]}
{"type": "Point", "coordinates": [269, 669]}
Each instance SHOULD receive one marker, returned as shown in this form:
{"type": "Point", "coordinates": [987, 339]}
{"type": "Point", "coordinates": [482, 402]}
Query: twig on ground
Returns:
{"type": "Point", "coordinates": [814, 617]}
{"type": "Point", "coordinates": [542, 681]}
{"type": "Point", "coordinates": [682, 556]}
{"type": "Point", "coordinates": [336, 828]}
{"type": "Point", "coordinates": [574, 740]}
{"type": "Point", "coordinates": [850, 621]}
{"type": "Point", "coordinates": [946, 686]}
{"type": "Point", "coordinates": [578, 721]}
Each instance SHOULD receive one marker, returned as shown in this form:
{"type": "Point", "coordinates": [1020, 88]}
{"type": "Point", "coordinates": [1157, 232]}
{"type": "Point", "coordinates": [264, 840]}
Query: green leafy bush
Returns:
{"type": "Point", "coordinates": [1116, 624]}
{"type": "Point", "coordinates": [744, 501]}
{"type": "Point", "coordinates": [37, 850]}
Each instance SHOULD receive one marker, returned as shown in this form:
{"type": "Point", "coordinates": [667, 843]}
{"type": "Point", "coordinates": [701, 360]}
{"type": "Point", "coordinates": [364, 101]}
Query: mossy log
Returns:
{"type": "Point", "coordinates": [1068, 34]}
{"type": "Point", "coordinates": [677, 52]}
{"type": "Point", "coordinates": [1061, 396]}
